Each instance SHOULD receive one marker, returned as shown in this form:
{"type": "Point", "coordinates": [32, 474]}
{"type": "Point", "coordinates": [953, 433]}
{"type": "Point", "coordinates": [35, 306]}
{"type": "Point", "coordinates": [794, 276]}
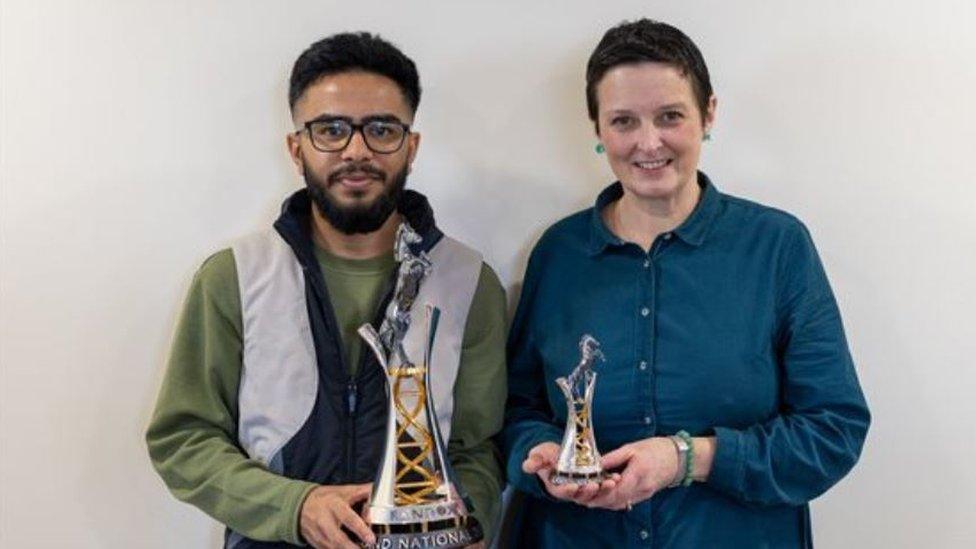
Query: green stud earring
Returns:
{"type": "Point", "coordinates": [600, 149]}
{"type": "Point", "coordinates": [707, 136]}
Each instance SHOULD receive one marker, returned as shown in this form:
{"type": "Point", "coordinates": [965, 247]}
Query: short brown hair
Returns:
{"type": "Point", "coordinates": [645, 40]}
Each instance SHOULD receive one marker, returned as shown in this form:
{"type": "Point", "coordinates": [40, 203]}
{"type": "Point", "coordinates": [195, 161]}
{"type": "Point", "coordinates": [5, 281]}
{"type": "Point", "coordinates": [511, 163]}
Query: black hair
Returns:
{"type": "Point", "coordinates": [646, 40]}
{"type": "Point", "coordinates": [354, 51]}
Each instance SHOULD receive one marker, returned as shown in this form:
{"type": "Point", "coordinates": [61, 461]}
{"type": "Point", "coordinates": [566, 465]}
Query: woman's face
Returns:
{"type": "Point", "coordinates": [649, 123]}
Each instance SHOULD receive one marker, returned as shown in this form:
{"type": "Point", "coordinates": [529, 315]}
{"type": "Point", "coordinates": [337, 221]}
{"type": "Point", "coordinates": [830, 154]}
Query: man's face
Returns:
{"type": "Point", "coordinates": [356, 188]}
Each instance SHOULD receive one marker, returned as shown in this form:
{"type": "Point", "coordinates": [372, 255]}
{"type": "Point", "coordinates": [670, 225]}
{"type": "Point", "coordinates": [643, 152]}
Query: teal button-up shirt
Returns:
{"type": "Point", "coordinates": [727, 327]}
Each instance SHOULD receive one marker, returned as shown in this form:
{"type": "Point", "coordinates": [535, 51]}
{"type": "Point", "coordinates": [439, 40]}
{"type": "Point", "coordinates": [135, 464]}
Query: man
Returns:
{"type": "Point", "coordinates": [272, 416]}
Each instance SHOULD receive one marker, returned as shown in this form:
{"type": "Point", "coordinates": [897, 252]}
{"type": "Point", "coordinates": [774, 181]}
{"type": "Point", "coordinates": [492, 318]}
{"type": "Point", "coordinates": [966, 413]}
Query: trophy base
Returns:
{"type": "Point", "coordinates": [560, 478]}
{"type": "Point", "coordinates": [441, 534]}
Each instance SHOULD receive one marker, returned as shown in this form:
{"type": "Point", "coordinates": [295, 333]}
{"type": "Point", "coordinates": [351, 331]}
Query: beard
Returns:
{"type": "Point", "coordinates": [360, 218]}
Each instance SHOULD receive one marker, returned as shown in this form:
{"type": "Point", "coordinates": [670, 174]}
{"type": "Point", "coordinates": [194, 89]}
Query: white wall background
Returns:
{"type": "Point", "coordinates": [138, 137]}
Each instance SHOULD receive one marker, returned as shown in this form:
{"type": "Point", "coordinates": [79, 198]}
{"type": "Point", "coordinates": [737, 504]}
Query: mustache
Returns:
{"type": "Point", "coordinates": [353, 168]}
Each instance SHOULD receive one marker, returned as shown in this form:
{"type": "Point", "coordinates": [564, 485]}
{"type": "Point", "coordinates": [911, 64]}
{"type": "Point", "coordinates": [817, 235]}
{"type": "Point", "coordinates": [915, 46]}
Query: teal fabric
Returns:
{"type": "Point", "coordinates": [726, 328]}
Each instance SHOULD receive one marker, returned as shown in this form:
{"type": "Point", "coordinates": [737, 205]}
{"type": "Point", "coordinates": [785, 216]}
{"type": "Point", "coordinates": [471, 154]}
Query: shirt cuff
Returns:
{"type": "Point", "coordinates": [728, 465]}
{"type": "Point", "coordinates": [530, 483]}
{"type": "Point", "coordinates": [293, 534]}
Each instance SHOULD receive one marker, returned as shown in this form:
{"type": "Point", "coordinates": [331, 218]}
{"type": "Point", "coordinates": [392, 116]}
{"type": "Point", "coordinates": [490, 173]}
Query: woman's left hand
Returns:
{"type": "Point", "coordinates": [648, 466]}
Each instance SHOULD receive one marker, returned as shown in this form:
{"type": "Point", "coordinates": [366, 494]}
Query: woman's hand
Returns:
{"type": "Point", "coordinates": [541, 461]}
{"type": "Point", "coordinates": [648, 466]}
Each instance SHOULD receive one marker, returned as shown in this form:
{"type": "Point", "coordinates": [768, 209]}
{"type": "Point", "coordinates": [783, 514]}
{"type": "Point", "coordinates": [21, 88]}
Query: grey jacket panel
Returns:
{"type": "Point", "coordinates": [279, 378]}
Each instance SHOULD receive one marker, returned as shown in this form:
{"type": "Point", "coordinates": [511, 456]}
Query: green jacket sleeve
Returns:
{"type": "Point", "coordinates": [192, 436]}
{"type": "Point", "coordinates": [479, 401]}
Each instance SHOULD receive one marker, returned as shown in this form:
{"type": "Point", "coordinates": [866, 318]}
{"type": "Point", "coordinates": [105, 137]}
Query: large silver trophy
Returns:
{"type": "Point", "coordinates": [416, 500]}
{"type": "Point", "coordinates": [579, 460]}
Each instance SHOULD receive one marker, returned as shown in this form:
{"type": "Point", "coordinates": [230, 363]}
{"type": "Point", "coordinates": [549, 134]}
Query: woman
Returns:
{"type": "Point", "coordinates": [728, 399]}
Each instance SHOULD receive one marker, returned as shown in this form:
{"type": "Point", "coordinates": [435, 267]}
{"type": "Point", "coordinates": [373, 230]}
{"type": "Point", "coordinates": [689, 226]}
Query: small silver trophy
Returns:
{"type": "Point", "coordinates": [579, 460]}
{"type": "Point", "coordinates": [416, 499]}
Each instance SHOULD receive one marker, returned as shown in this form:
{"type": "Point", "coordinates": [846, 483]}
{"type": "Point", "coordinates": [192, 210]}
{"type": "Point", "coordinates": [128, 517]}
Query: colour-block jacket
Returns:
{"type": "Point", "coordinates": [297, 412]}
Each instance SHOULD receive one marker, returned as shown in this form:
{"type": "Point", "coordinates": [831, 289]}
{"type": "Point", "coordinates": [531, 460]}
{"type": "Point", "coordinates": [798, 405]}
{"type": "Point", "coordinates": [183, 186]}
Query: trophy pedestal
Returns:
{"type": "Point", "coordinates": [560, 478]}
{"type": "Point", "coordinates": [453, 533]}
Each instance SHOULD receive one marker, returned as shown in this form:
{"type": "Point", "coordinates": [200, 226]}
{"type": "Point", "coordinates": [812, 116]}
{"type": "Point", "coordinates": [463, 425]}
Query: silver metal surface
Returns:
{"type": "Point", "coordinates": [579, 459]}
{"type": "Point", "coordinates": [415, 500]}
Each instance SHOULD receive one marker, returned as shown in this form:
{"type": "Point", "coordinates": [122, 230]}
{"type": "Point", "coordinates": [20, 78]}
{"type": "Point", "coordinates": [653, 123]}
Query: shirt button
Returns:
{"type": "Point", "coordinates": [647, 263]}
{"type": "Point", "coordinates": [647, 420]}
{"type": "Point", "coordinates": [643, 534]}
{"type": "Point", "coordinates": [645, 311]}
{"type": "Point", "coordinates": [642, 365]}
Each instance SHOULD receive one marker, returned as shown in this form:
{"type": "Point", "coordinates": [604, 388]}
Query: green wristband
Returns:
{"type": "Point", "coordinates": [687, 480]}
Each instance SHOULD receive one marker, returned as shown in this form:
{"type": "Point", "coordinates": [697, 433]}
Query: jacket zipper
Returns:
{"type": "Point", "coordinates": [352, 388]}
{"type": "Point", "coordinates": [351, 393]}
{"type": "Point", "coordinates": [351, 429]}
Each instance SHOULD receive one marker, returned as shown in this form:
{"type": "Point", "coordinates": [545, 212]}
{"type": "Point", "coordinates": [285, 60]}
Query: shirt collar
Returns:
{"type": "Point", "coordinates": [600, 236]}
{"type": "Point", "coordinates": [693, 230]}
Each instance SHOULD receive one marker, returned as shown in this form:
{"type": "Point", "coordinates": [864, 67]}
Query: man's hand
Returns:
{"type": "Point", "coordinates": [327, 509]}
{"type": "Point", "coordinates": [541, 461]}
{"type": "Point", "coordinates": [649, 465]}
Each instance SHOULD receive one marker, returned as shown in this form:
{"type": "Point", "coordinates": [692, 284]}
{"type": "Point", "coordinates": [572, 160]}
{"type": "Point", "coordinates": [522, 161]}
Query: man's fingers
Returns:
{"type": "Point", "coordinates": [356, 525]}
{"type": "Point", "coordinates": [336, 537]}
{"type": "Point", "coordinates": [359, 492]}
{"type": "Point", "coordinates": [364, 510]}
{"type": "Point", "coordinates": [319, 536]}
{"type": "Point", "coordinates": [315, 539]}
{"type": "Point", "coordinates": [314, 530]}
{"type": "Point", "coordinates": [328, 509]}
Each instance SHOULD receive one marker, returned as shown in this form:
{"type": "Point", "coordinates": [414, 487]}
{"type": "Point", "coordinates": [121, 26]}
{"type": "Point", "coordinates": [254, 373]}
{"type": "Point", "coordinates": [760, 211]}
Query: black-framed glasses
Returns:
{"type": "Point", "coordinates": [334, 134]}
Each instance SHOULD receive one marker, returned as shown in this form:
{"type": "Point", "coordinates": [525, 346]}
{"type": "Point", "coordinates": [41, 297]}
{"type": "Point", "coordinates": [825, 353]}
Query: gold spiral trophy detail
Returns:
{"type": "Point", "coordinates": [579, 460]}
{"type": "Point", "coordinates": [416, 500]}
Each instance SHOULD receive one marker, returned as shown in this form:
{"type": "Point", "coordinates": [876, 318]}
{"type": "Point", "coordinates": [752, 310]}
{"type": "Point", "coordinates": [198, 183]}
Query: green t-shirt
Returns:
{"type": "Point", "coordinates": [356, 287]}
{"type": "Point", "coordinates": [192, 436]}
